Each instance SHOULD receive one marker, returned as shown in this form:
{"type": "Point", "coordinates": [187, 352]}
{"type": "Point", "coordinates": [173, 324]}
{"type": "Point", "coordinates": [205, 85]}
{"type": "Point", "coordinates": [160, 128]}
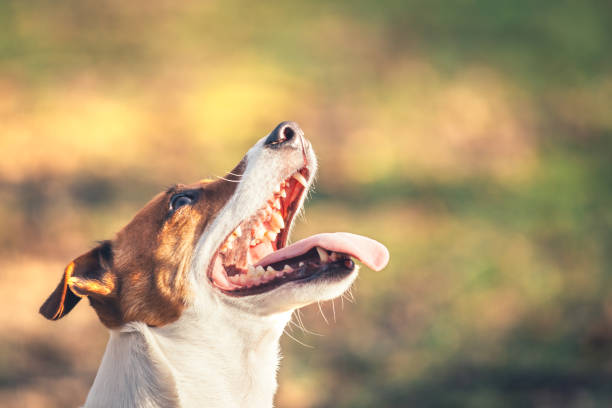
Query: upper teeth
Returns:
{"type": "Point", "coordinates": [322, 254]}
{"type": "Point", "coordinates": [300, 179]}
{"type": "Point", "coordinates": [259, 231]}
{"type": "Point", "coordinates": [277, 220]}
{"type": "Point", "coordinates": [263, 227]}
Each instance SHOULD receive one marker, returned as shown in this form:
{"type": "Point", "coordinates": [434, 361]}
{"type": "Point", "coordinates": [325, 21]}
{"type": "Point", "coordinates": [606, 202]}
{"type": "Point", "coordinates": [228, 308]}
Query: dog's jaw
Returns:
{"type": "Point", "coordinates": [265, 168]}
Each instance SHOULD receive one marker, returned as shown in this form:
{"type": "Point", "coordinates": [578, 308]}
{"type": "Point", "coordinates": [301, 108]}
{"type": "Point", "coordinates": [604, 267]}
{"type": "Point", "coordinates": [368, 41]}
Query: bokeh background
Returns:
{"type": "Point", "coordinates": [472, 137]}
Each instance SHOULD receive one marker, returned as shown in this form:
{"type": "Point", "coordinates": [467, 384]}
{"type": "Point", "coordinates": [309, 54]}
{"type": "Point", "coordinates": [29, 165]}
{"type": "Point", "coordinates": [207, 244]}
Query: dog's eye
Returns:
{"type": "Point", "coordinates": [179, 200]}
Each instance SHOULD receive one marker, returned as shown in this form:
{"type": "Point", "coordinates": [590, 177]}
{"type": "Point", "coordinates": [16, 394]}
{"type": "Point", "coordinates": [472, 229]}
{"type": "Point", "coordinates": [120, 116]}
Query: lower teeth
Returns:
{"type": "Point", "coordinates": [257, 275]}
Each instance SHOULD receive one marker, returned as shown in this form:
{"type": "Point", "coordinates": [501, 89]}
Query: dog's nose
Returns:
{"type": "Point", "coordinates": [284, 132]}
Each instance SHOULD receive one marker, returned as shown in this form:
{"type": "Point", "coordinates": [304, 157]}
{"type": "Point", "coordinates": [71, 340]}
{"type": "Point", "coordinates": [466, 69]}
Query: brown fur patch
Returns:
{"type": "Point", "coordinates": [147, 280]}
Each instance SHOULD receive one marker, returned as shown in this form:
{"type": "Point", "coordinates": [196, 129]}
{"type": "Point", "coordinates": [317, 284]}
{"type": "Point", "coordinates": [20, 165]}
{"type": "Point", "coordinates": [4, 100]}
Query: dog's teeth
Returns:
{"type": "Point", "coordinates": [283, 193]}
{"type": "Point", "coordinates": [251, 270]}
{"type": "Point", "coordinates": [301, 264]}
{"type": "Point", "coordinates": [260, 231]}
{"type": "Point", "coordinates": [323, 254]}
{"type": "Point", "coordinates": [300, 179]}
{"type": "Point", "coordinates": [270, 273]}
{"type": "Point", "coordinates": [277, 189]}
{"type": "Point", "coordinates": [271, 235]}
{"type": "Point", "coordinates": [287, 268]}
{"type": "Point", "coordinates": [277, 204]}
{"type": "Point", "coordinates": [242, 280]}
{"type": "Point", "coordinates": [277, 221]}
{"type": "Point", "coordinates": [238, 231]}
{"type": "Point", "coordinates": [259, 270]}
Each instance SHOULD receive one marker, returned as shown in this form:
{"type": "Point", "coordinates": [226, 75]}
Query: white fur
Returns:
{"type": "Point", "coordinates": [222, 351]}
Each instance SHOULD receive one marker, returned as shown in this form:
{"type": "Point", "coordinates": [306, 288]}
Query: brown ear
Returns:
{"type": "Point", "coordinates": [89, 274]}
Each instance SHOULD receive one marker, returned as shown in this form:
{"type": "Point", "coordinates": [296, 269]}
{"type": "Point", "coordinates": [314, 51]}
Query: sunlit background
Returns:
{"type": "Point", "coordinates": [473, 138]}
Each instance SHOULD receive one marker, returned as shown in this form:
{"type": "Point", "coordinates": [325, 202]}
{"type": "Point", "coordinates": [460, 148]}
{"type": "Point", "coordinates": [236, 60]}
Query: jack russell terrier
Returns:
{"type": "Point", "coordinates": [197, 289]}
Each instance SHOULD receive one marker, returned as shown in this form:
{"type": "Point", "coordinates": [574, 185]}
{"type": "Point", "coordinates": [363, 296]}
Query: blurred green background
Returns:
{"type": "Point", "coordinates": [473, 138]}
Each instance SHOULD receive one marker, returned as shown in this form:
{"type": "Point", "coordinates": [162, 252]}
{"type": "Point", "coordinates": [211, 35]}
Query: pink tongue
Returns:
{"type": "Point", "coordinates": [372, 253]}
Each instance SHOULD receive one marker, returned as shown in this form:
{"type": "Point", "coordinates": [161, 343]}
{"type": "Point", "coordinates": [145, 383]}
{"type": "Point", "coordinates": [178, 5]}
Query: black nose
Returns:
{"type": "Point", "coordinates": [284, 132]}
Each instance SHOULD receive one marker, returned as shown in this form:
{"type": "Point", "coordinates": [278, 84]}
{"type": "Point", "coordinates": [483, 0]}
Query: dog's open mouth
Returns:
{"type": "Point", "coordinates": [254, 258]}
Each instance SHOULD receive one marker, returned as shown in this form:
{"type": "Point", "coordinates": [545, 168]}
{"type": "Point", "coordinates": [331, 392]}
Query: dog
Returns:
{"type": "Point", "coordinates": [197, 288]}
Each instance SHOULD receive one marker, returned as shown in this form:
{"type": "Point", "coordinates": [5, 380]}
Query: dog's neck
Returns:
{"type": "Point", "coordinates": [214, 361]}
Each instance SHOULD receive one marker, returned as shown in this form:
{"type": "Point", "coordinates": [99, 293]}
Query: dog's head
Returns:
{"type": "Point", "coordinates": [221, 241]}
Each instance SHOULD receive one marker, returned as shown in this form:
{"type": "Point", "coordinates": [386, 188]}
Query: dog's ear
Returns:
{"type": "Point", "coordinates": [88, 275]}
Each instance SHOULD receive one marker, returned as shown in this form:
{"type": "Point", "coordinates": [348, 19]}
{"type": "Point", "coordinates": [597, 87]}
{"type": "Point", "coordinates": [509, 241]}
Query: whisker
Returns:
{"type": "Point", "coordinates": [302, 326]}
{"type": "Point", "coordinates": [334, 309]}
{"type": "Point", "coordinates": [298, 324]}
{"type": "Point", "coordinates": [350, 296]}
{"type": "Point", "coordinates": [299, 320]}
{"type": "Point", "coordinates": [298, 315]}
{"type": "Point", "coordinates": [322, 314]}
{"type": "Point", "coordinates": [295, 324]}
{"type": "Point", "coordinates": [231, 181]}
{"type": "Point", "coordinates": [296, 340]}
{"type": "Point", "coordinates": [289, 327]}
{"type": "Point", "coordinates": [304, 330]}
